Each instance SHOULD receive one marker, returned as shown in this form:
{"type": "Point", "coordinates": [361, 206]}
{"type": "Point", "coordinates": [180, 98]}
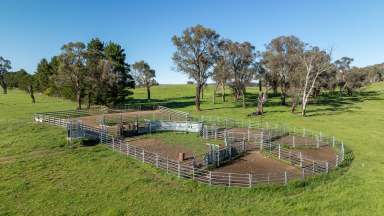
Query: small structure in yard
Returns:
{"type": "Point", "coordinates": [249, 153]}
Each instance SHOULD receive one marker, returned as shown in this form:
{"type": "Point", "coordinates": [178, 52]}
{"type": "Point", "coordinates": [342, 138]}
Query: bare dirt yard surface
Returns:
{"type": "Point", "coordinates": [158, 146]}
{"type": "Point", "coordinates": [299, 141]}
{"type": "Point", "coordinates": [320, 154]}
{"type": "Point", "coordinates": [245, 130]}
{"type": "Point", "coordinates": [94, 120]}
{"type": "Point", "coordinates": [257, 163]}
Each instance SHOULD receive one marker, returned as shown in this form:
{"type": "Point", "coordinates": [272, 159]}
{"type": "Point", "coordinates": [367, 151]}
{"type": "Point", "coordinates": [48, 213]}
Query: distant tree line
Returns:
{"type": "Point", "coordinates": [288, 66]}
{"type": "Point", "coordinates": [92, 73]}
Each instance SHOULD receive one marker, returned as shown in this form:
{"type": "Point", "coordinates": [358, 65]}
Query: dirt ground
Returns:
{"type": "Point", "coordinates": [158, 146]}
{"type": "Point", "coordinates": [299, 141]}
{"type": "Point", "coordinates": [245, 130]}
{"type": "Point", "coordinates": [93, 120]}
{"type": "Point", "coordinates": [255, 162]}
{"type": "Point", "coordinates": [322, 154]}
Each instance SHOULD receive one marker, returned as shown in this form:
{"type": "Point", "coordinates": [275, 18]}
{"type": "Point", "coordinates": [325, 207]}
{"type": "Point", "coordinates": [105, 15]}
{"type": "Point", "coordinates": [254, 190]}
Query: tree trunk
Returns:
{"type": "Point", "coordinates": [31, 94]}
{"type": "Point", "coordinates": [293, 107]}
{"type": "Point", "coordinates": [197, 97]}
{"type": "Point", "coordinates": [260, 86]}
{"type": "Point", "coordinates": [202, 91]}
{"type": "Point", "coordinates": [78, 99]}
{"type": "Point", "coordinates": [223, 92]}
{"type": "Point", "coordinates": [4, 86]}
{"type": "Point", "coordinates": [148, 93]}
{"type": "Point", "coordinates": [282, 98]}
{"type": "Point", "coordinates": [243, 96]}
{"type": "Point", "coordinates": [89, 100]}
{"type": "Point", "coordinates": [304, 106]}
{"type": "Point", "coordinates": [274, 87]}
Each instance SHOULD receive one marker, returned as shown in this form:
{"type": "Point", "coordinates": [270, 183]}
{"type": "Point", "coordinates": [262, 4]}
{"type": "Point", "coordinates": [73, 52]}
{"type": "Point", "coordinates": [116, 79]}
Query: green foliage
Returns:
{"type": "Point", "coordinates": [5, 66]}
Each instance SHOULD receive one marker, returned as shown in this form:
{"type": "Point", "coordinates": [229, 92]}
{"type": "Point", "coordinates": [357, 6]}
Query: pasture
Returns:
{"type": "Point", "coordinates": [40, 175]}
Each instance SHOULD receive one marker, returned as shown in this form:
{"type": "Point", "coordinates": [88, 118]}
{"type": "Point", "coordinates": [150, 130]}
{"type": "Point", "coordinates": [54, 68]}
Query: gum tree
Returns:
{"type": "Point", "coordinates": [238, 57]}
{"type": "Point", "coordinates": [194, 55]}
{"type": "Point", "coordinates": [72, 70]}
{"type": "Point", "coordinates": [280, 59]}
{"type": "Point", "coordinates": [144, 76]}
{"type": "Point", "coordinates": [315, 62]}
{"type": "Point", "coordinates": [5, 66]}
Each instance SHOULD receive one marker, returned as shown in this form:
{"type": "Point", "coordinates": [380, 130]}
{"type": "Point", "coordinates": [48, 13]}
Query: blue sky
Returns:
{"type": "Point", "coordinates": [32, 30]}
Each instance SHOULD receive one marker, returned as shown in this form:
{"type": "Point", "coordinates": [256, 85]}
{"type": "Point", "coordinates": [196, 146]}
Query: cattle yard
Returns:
{"type": "Point", "coordinates": [216, 151]}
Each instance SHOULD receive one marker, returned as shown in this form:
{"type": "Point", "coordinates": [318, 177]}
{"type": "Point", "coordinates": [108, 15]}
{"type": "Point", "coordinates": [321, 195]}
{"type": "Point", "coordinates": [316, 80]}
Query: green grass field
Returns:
{"type": "Point", "coordinates": [40, 175]}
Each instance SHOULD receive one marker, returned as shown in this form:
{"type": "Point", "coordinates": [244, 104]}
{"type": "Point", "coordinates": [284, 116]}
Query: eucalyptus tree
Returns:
{"type": "Point", "coordinates": [315, 62]}
{"type": "Point", "coordinates": [354, 79]}
{"type": "Point", "coordinates": [343, 66]}
{"type": "Point", "coordinates": [281, 61]}
{"type": "Point", "coordinates": [238, 57]}
{"type": "Point", "coordinates": [27, 83]}
{"type": "Point", "coordinates": [95, 67]}
{"type": "Point", "coordinates": [221, 75]}
{"type": "Point", "coordinates": [72, 69]}
{"type": "Point", "coordinates": [144, 76]}
{"type": "Point", "coordinates": [194, 55]}
{"type": "Point", "coordinates": [5, 66]}
{"type": "Point", "coordinates": [260, 73]}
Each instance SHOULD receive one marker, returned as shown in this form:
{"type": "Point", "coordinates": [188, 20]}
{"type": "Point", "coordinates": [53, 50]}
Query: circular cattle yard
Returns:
{"type": "Point", "coordinates": [221, 152]}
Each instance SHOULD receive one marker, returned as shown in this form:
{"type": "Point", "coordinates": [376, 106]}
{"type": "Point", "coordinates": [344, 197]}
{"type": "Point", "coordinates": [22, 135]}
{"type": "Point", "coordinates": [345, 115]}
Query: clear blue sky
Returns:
{"type": "Point", "coordinates": [32, 30]}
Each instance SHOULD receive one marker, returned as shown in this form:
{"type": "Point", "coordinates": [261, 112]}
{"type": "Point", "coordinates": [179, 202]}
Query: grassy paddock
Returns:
{"type": "Point", "coordinates": [39, 175]}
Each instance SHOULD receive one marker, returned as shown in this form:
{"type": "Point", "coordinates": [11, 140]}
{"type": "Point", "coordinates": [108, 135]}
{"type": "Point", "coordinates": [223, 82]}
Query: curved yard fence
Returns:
{"type": "Point", "coordinates": [246, 135]}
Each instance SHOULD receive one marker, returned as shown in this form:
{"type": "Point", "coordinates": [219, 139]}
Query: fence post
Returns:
{"type": "Point", "coordinates": [167, 165]}
{"type": "Point", "coordinates": [337, 160]}
{"type": "Point", "coordinates": [285, 178]}
{"type": "Point", "coordinates": [303, 174]}
{"type": "Point", "coordinates": [301, 159]}
{"type": "Point", "coordinates": [157, 160]}
{"type": "Point", "coordinates": [193, 172]}
{"type": "Point", "coordinates": [279, 151]}
{"type": "Point", "coordinates": [143, 156]}
{"type": "Point", "coordinates": [250, 179]}
{"type": "Point", "coordinates": [215, 133]}
{"type": "Point", "coordinates": [326, 167]}
{"type": "Point", "coordinates": [293, 141]}
{"type": "Point", "coordinates": [318, 142]}
{"type": "Point", "coordinates": [313, 165]}
{"type": "Point", "coordinates": [229, 179]}
{"type": "Point", "coordinates": [178, 169]}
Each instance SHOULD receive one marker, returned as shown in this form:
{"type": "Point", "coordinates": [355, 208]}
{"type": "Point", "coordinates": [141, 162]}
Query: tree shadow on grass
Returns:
{"type": "Point", "coordinates": [334, 104]}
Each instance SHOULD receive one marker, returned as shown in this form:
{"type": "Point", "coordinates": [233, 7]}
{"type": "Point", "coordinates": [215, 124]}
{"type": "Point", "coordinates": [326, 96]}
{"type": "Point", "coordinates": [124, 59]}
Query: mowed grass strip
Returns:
{"type": "Point", "coordinates": [94, 180]}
